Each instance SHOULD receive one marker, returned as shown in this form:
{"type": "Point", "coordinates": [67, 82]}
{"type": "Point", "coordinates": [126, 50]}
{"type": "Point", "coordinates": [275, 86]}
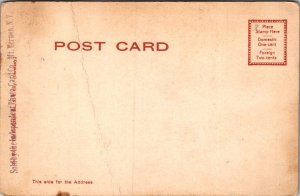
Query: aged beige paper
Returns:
{"type": "Point", "coordinates": [177, 98]}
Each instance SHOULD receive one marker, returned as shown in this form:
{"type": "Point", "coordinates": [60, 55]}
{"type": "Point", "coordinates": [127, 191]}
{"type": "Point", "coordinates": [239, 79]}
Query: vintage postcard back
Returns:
{"type": "Point", "coordinates": [144, 98]}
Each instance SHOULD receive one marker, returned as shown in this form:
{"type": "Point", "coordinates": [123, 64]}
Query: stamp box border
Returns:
{"type": "Point", "coordinates": [284, 63]}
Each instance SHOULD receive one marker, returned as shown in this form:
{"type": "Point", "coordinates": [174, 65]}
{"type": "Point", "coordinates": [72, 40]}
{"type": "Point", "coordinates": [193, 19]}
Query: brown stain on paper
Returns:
{"type": "Point", "coordinates": [60, 193]}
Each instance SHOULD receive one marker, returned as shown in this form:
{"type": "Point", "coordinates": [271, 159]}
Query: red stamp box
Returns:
{"type": "Point", "coordinates": [267, 42]}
